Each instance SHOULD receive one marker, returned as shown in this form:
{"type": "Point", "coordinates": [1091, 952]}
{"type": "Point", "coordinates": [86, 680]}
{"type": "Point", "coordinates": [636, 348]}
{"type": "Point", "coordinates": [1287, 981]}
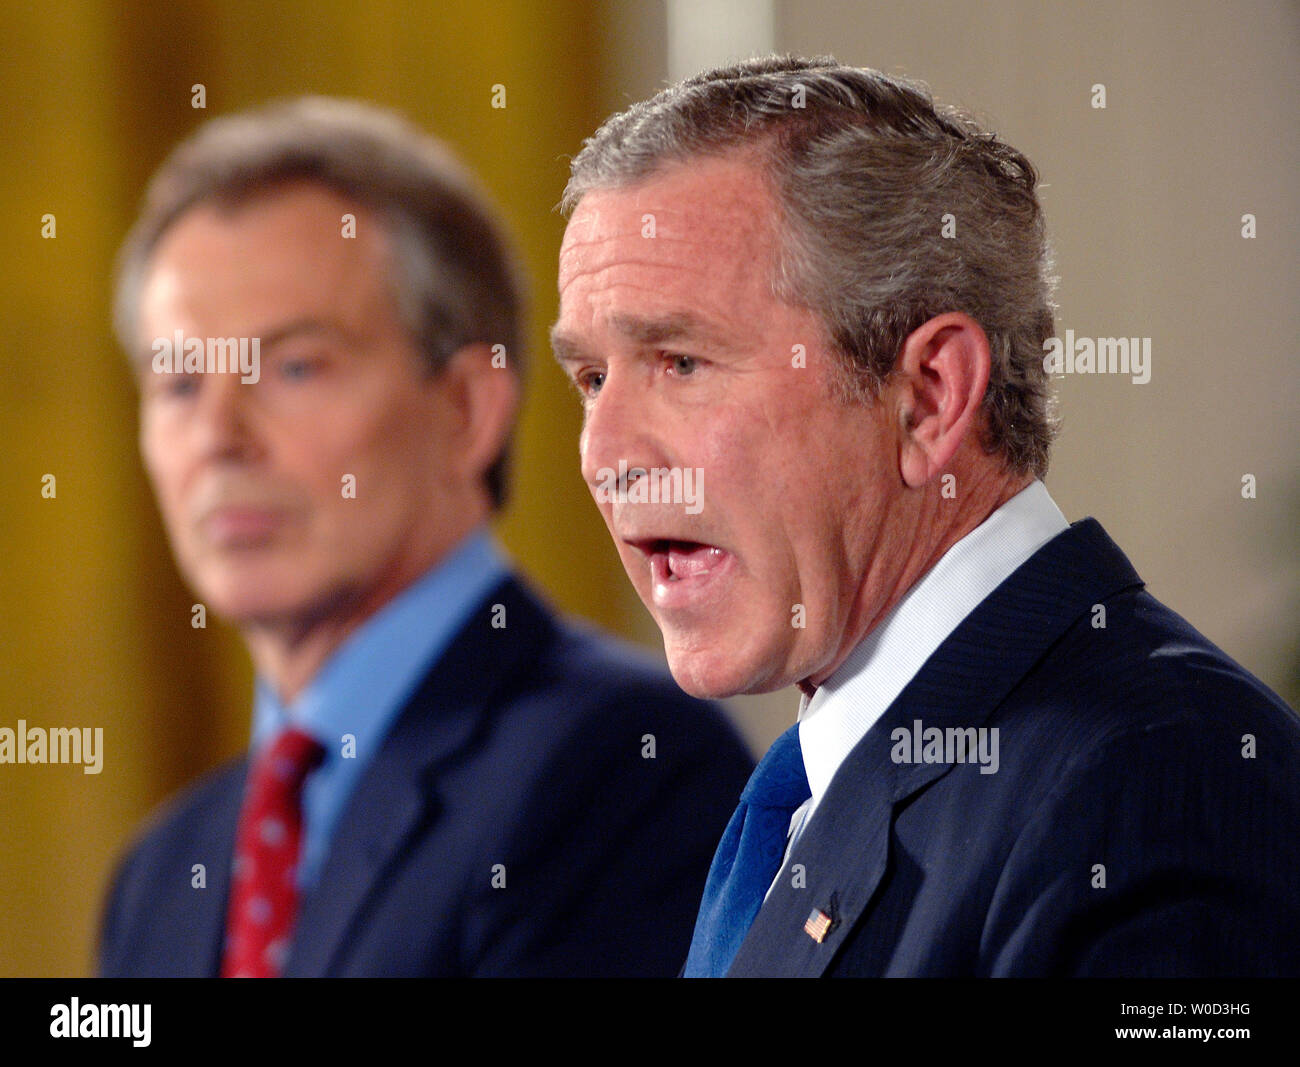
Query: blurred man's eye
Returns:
{"type": "Point", "coordinates": [300, 368]}
{"type": "Point", "coordinates": [173, 386]}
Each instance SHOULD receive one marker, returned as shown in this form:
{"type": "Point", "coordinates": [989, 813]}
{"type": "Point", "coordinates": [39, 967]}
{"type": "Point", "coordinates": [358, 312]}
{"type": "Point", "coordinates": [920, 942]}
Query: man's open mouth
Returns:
{"type": "Point", "coordinates": [673, 560]}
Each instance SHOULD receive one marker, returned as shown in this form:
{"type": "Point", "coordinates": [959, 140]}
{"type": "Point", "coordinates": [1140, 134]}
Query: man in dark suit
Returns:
{"type": "Point", "coordinates": [444, 778]}
{"type": "Point", "coordinates": [833, 298]}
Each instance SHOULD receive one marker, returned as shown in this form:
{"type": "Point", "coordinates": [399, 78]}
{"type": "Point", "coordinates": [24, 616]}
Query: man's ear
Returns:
{"type": "Point", "coordinates": [936, 391]}
{"type": "Point", "coordinates": [486, 397]}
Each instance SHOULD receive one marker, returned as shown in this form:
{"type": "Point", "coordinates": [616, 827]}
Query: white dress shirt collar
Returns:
{"type": "Point", "coordinates": [852, 699]}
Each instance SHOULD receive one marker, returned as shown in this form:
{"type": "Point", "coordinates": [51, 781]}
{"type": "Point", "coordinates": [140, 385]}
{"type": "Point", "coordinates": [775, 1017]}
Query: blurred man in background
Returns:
{"type": "Point", "coordinates": [443, 779]}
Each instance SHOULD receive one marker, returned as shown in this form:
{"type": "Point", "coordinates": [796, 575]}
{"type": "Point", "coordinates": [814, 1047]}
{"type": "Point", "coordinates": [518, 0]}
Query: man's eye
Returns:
{"type": "Point", "coordinates": [176, 385]}
{"type": "Point", "coordinates": [682, 366]}
{"type": "Point", "coordinates": [298, 369]}
{"type": "Point", "coordinates": [589, 382]}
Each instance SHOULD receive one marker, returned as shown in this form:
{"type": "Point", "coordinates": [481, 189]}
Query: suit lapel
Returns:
{"type": "Point", "coordinates": [397, 795]}
{"type": "Point", "coordinates": [844, 849]}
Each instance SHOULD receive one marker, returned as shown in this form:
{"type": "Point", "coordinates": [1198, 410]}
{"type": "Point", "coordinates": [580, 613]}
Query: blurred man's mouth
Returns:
{"type": "Point", "coordinates": [236, 526]}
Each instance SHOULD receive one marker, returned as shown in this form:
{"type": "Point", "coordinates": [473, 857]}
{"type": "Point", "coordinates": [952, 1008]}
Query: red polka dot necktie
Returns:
{"type": "Point", "coordinates": [263, 892]}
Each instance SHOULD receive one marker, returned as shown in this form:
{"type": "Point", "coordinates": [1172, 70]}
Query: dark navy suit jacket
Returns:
{"type": "Point", "coordinates": [525, 747]}
{"type": "Point", "coordinates": [1144, 819]}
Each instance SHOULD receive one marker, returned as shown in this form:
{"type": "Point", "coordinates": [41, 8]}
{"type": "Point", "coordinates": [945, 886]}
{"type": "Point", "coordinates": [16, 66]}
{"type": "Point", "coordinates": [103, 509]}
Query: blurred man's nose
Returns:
{"type": "Point", "coordinates": [222, 416]}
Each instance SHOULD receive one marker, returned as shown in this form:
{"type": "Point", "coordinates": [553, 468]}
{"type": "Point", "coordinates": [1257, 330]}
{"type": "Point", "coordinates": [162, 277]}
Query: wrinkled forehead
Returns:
{"type": "Point", "coordinates": [719, 208]}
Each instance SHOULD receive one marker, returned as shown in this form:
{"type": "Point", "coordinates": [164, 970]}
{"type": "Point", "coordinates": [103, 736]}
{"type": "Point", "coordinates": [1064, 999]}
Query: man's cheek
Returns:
{"type": "Point", "coordinates": [630, 564]}
{"type": "Point", "coordinates": [181, 527]}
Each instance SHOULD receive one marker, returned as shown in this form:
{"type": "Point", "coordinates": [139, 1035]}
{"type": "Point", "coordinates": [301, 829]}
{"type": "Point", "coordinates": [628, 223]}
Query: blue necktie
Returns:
{"type": "Point", "coordinates": [748, 857]}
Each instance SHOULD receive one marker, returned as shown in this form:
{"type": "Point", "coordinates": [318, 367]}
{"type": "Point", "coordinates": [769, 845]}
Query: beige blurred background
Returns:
{"type": "Point", "coordinates": [1144, 200]}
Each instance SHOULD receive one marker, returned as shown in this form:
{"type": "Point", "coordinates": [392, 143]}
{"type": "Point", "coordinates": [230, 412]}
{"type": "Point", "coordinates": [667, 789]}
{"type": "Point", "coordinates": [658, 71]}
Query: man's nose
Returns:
{"type": "Point", "coordinates": [223, 417]}
{"type": "Point", "coordinates": [618, 426]}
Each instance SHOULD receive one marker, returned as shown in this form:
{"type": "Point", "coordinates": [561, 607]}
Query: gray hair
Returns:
{"type": "Point", "coordinates": [866, 168]}
{"type": "Point", "coordinates": [455, 279]}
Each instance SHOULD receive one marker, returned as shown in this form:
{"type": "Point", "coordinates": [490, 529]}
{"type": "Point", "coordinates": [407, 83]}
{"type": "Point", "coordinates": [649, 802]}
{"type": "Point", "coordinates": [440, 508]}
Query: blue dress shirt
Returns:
{"type": "Point", "coordinates": [353, 700]}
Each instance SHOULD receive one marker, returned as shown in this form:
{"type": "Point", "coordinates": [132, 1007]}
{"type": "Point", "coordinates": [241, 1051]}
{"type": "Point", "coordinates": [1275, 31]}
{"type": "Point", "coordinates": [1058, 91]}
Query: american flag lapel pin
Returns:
{"type": "Point", "coordinates": [818, 925]}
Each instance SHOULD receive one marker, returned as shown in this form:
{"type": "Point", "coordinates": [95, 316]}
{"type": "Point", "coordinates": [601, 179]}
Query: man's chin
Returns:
{"type": "Point", "coordinates": [245, 604]}
{"type": "Point", "coordinates": [715, 670]}
{"type": "Point", "coordinates": [244, 614]}
{"type": "Point", "coordinates": [706, 675]}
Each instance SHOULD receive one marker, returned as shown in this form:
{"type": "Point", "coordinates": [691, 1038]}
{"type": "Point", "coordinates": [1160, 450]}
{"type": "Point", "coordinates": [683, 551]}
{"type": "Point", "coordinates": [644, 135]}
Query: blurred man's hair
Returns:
{"type": "Point", "coordinates": [454, 277]}
{"type": "Point", "coordinates": [864, 168]}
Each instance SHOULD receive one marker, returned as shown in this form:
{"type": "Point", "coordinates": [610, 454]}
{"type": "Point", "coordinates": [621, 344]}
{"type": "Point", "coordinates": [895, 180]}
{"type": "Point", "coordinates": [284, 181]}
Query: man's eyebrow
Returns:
{"type": "Point", "coordinates": [303, 327]}
{"type": "Point", "coordinates": [142, 359]}
{"type": "Point", "coordinates": [667, 329]}
{"type": "Point", "coordinates": [285, 331]}
{"type": "Point", "coordinates": [656, 330]}
{"type": "Point", "coordinates": [564, 347]}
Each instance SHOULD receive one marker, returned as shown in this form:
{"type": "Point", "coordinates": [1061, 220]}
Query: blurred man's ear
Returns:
{"type": "Point", "coordinates": [485, 394]}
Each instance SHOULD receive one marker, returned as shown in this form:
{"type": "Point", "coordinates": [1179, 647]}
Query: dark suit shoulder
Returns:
{"type": "Point", "coordinates": [178, 818]}
{"type": "Point", "coordinates": [1133, 665]}
{"type": "Point", "coordinates": [594, 720]}
{"type": "Point", "coordinates": [597, 669]}
{"type": "Point", "coordinates": [153, 885]}
{"type": "Point", "coordinates": [1155, 785]}
{"type": "Point", "coordinates": [581, 691]}
{"type": "Point", "coordinates": [622, 786]}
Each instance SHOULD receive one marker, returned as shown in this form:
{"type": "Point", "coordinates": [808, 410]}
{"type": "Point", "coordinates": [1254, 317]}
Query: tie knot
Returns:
{"type": "Point", "coordinates": [779, 780]}
{"type": "Point", "coordinates": [291, 757]}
